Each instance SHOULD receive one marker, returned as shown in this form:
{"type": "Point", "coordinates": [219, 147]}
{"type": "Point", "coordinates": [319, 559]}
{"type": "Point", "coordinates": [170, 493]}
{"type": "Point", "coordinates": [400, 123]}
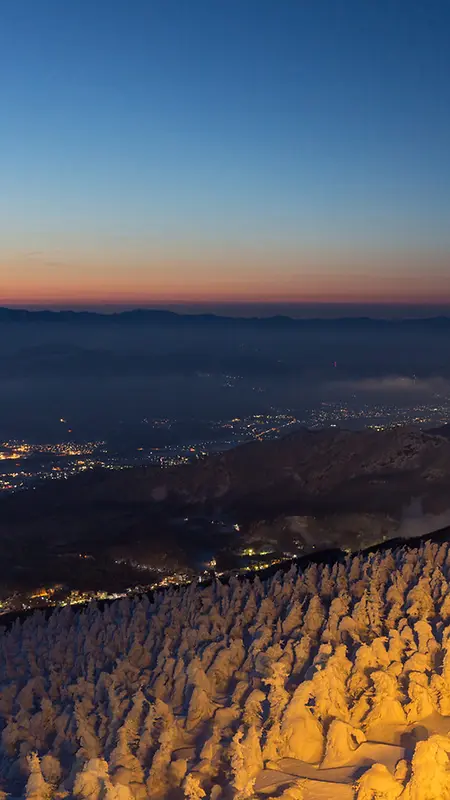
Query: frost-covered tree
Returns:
{"type": "Point", "coordinates": [253, 708]}
{"type": "Point", "coordinates": [89, 744]}
{"type": "Point", "coordinates": [342, 740]}
{"type": "Point", "coordinates": [378, 784]}
{"type": "Point", "coordinates": [157, 780]}
{"type": "Point", "coordinates": [124, 767]}
{"type": "Point", "coordinates": [129, 700]}
{"type": "Point", "coordinates": [385, 704]}
{"type": "Point", "coordinates": [90, 781]}
{"type": "Point", "coordinates": [36, 788]}
{"type": "Point", "coordinates": [365, 662]}
{"type": "Point", "coordinates": [421, 698]}
{"type": "Point", "coordinates": [200, 708]}
{"type": "Point", "coordinates": [51, 770]}
{"type": "Point", "coordinates": [301, 733]}
{"type": "Point", "coordinates": [314, 617]}
{"type": "Point", "coordinates": [294, 618]}
{"type": "Point", "coordinates": [430, 777]}
{"type": "Point", "coordinates": [419, 602]}
{"type": "Point", "coordinates": [278, 696]}
{"type": "Point", "coordinates": [192, 788]}
{"type": "Point", "coordinates": [329, 687]}
{"type": "Point", "coordinates": [246, 761]}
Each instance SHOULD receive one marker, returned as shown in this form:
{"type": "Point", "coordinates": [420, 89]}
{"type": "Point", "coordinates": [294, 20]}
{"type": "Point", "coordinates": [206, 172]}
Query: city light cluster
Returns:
{"type": "Point", "coordinates": [25, 464]}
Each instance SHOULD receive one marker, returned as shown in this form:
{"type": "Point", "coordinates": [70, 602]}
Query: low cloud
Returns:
{"type": "Point", "coordinates": [397, 384]}
{"type": "Point", "coordinates": [415, 522]}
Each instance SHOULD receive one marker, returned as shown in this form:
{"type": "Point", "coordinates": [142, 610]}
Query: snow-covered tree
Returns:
{"type": "Point", "coordinates": [385, 704]}
{"type": "Point", "coordinates": [124, 767]}
{"type": "Point", "coordinates": [246, 761]}
{"type": "Point", "coordinates": [253, 708]}
{"type": "Point", "coordinates": [200, 708]}
{"type": "Point", "coordinates": [421, 699]}
{"type": "Point", "coordinates": [378, 784]}
{"type": "Point", "coordinates": [36, 788]}
{"type": "Point", "coordinates": [158, 775]}
{"type": "Point", "coordinates": [329, 687]}
{"type": "Point", "coordinates": [90, 781]}
{"type": "Point", "coordinates": [278, 696]}
{"type": "Point", "coordinates": [342, 740]}
{"type": "Point", "coordinates": [301, 733]}
{"type": "Point", "coordinates": [193, 788]}
{"type": "Point", "coordinates": [430, 777]}
{"type": "Point", "coordinates": [51, 770]}
{"type": "Point", "coordinates": [130, 700]}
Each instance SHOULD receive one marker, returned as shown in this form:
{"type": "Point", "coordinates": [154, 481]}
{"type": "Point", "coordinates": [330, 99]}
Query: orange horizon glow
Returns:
{"type": "Point", "coordinates": [149, 301]}
{"type": "Point", "coordinates": [160, 276]}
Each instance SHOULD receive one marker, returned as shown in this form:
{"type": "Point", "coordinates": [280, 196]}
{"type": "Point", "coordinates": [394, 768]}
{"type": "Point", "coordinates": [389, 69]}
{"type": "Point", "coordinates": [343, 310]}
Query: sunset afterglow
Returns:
{"type": "Point", "coordinates": [212, 167]}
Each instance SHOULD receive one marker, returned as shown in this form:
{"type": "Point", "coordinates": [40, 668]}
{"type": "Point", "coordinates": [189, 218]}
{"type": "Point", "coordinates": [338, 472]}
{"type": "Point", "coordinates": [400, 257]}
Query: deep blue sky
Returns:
{"type": "Point", "coordinates": [224, 149]}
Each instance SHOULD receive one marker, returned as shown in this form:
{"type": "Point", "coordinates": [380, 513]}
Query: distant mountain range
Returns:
{"type": "Point", "coordinates": [165, 317]}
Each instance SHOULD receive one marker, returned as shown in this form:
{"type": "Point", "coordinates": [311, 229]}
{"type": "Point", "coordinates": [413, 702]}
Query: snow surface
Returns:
{"type": "Point", "coordinates": [329, 683]}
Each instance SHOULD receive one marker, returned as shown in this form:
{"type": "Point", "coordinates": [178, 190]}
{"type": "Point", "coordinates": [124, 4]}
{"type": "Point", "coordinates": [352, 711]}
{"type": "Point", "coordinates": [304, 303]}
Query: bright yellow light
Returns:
{"type": "Point", "coordinates": [10, 456]}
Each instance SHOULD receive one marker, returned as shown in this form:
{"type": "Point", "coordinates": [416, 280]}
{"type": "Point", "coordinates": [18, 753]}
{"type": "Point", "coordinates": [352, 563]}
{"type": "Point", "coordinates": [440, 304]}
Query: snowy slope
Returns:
{"type": "Point", "coordinates": [332, 683]}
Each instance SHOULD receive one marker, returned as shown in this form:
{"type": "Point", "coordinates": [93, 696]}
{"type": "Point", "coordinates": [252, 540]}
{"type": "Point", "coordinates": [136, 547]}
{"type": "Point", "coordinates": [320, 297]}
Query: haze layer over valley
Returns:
{"type": "Point", "coordinates": [105, 374]}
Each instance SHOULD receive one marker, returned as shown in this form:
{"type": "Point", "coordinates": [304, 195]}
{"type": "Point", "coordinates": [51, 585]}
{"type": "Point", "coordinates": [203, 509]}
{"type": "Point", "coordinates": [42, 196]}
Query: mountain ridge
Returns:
{"type": "Point", "coordinates": [309, 491]}
{"type": "Point", "coordinates": [156, 315]}
{"type": "Point", "coordinates": [330, 487]}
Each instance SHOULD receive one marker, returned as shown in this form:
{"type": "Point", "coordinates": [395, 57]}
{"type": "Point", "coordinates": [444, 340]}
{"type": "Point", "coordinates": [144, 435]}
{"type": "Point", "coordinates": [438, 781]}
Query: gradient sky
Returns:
{"type": "Point", "coordinates": [164, 151]}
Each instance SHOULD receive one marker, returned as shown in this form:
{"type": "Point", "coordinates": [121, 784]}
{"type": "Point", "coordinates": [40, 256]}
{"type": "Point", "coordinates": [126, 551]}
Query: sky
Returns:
{"type": "Point", "coordinates": [224, 152]}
